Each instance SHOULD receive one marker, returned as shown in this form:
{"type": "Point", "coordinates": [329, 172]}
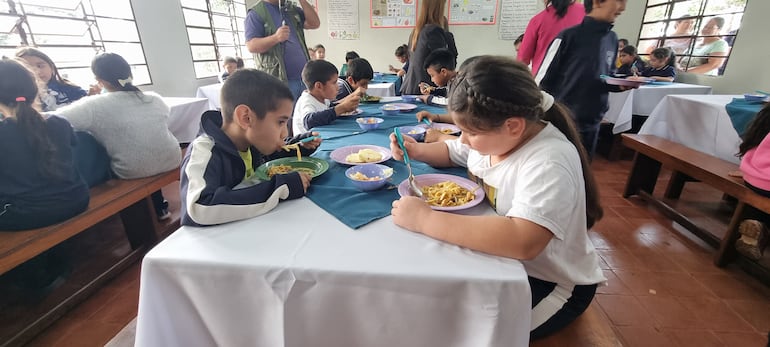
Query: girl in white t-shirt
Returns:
{"type": "Point", "coordinates": [525, 152]}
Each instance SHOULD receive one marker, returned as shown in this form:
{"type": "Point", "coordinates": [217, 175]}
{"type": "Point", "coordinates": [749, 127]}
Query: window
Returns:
{"type": "Point", "coordinates": [215, 29]}
{"type": "Point", "coordinates": [71, 32]}
{"type": "Point", "coordinates": [700, 32]}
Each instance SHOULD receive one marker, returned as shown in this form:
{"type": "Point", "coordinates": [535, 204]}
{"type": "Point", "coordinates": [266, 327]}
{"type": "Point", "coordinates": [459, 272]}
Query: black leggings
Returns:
{"type": "Point", "coordinates": [578, 302]}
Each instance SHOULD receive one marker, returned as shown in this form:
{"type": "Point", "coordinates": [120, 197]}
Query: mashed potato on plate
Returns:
{"type": "Point", "coordinates": [365, 155]}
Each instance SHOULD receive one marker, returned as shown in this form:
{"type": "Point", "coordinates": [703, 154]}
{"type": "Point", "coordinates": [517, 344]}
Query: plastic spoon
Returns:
{"type": "Point", "coordinates": [412, 186]}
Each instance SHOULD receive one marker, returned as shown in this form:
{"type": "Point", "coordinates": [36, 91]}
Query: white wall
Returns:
{"type": "Point", "coordinates": [379, 45]}
{"type": "Point", "coordinates": [166, 48]}
{"type": "Point", "coordinates": [162, 30]}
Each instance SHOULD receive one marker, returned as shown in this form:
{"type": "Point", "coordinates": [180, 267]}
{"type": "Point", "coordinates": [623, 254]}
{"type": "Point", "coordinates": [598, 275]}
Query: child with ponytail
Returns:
{"type": "Point", "coordinates": [524, 151]}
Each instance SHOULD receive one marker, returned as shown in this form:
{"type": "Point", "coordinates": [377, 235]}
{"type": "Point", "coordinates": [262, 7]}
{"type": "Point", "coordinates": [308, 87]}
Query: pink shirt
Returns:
{"type": "Point", "coordinates": [542, 29]}
{"type": "Point", "coordinates": [755, 165]}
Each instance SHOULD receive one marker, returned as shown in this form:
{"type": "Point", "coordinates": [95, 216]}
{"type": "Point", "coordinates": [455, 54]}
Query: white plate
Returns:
{"type": "Point", "coordinates": [352, 113]}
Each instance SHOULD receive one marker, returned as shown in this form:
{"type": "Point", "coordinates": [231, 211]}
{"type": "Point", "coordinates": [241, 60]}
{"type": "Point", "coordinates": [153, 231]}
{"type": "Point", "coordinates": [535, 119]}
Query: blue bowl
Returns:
{"type": "Point", "coordinates": [417, 132]}
{"type": "Point", "coordinates": [370, 171]}
{"type": "Point", "coordinates": [369, 123]}
{"type": "Point", "coordinates": [389, 110]}
{"type": "Point", "coordinates": [377, 75]}
{"type": "Point", "coordinates": [410, 98]}
{"type": "Point", "coordinates": [754, 97]}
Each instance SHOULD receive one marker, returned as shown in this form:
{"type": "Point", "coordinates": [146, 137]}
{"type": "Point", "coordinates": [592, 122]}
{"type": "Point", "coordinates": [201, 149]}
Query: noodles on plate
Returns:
{"type": "Point", "coordinates": [447, 194]}
{"type": "Point", "coordinates": [284, 169]}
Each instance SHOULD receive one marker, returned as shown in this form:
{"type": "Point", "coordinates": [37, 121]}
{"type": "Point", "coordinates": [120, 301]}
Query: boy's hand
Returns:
{"type": "Point", "coordinates": [314, 143]}
{"type": "Point", "coordinates": [305, 177]}
{"type": "Point", "coordinates": [425, 114]}
{"type": "Point", "coordinates": [347, 104]}
{"type": "Point", "coordinates": [426, 88]}
{"type": "Point", "coordinates": [392, 69]}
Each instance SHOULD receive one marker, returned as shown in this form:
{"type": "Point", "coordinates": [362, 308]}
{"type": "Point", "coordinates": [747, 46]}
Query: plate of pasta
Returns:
{"type": "Point", "coordinates": [310, 165]}
{"type": "Point", "coordinates": [360, 154]}
{"type": "Point", "coordinates": [446, 192]}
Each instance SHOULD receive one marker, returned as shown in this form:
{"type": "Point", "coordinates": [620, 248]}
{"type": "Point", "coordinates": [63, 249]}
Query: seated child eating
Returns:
{"type": "Point", "coordinates": [440, 65]}
{"type": "Point", "coordinates": [359, 74]}
{"type": "Point", "coordinates": [632, 65]}
{"type": "Point", "coordinates": [218, 184]}
{"type": "Point", "coordinates": [313, 106]}
{"type": "Point", "coordinates": [661, 65]}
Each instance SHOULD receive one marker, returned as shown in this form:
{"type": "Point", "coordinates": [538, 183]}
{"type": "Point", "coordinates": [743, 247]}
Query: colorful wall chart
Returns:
{"type": "Point", "coordinates": [342, 19]}
{"type": "Point", "coordinates": [468, 12]}
{"type": "Point", "coordinates": [393, 13]}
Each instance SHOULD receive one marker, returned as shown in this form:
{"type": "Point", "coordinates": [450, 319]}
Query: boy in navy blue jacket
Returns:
{"type": "Point", "coordinates": [217, 176]}
{"type": "Point", "coordinates": [572, 68]}
{"type": "Point", "coordinates": [359, 74]}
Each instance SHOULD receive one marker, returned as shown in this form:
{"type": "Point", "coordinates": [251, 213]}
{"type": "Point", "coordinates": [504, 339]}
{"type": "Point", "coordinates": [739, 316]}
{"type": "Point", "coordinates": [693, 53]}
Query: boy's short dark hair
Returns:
{"type": "Point", "coordinates": [628, 49]}
{"type": "Point", "coordinates": [518, 39]}
{"type": "Point", "coordinates": [402, 51]}
{"type": "Point", "coordinates": [351, 55]}
{"type": "Point", "coordinates": [589, 5]}
{"type": "Point", "coordinates": [255, 89]}
{"type": "Point", "coordinates": [319, 46]}
{"type": "Point", "coordinates": [359, 68]}
{"type": "Point", "coordinates": [625, 42]}
{"type": "Point", "coordinates": [440, 59]}
{"type": "Point", "coordinates": [318, 71]}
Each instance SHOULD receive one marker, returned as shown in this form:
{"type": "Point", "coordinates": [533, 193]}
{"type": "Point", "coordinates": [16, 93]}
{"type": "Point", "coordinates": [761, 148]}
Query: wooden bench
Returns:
{"type": "Point", "coordinates": [129, 198]}
{"type": "Point", "coordinates": [688, 164]}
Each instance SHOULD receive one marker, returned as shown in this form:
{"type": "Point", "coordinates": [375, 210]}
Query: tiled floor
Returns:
{"type": "Point", "coordinates": [663, 288]}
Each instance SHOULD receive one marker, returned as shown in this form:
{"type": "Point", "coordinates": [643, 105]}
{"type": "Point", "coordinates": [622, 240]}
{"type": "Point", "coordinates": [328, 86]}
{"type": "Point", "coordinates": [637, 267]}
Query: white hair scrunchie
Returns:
{"type": "Point", "coordinates": [547, 101]}
{"type": "Point", "coordinates": [129, 80]}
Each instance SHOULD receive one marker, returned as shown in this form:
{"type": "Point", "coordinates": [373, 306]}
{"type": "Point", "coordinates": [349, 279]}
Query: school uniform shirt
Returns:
{"type": "Point", "coordinates": [666, 71]}
{"type": "Point", "coordinates": [755, 165]}
{"type": "Point", "coordinates": [438, 96]}
{"type": "Point", "coordinates": [573, 66]}
{"type": "Point", "coordinates": [213, 185]}
{"type": "Point", "coordinates": [59, 94]}
{"type": "Point", "coordinates": [23, 188]}
{"type": "Point", "coordinates": [310, 113]}
{"type": "Point", "coordinates": [344, 87]}
{"type": "Point", "coordinates": [541, 182]}
{"type": "Point", "coordinates": [627, 69]}
{"type": "Point", "coordinates": [542, 29]}
{"type": "Point", "coordinates": [132, 127]}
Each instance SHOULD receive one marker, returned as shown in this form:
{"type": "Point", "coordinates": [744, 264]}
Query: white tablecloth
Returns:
{"type": "Point", "coordinates": [642, 101]}
{"type": "Point", "coordinates": [696, 121]}
{"type": "Point", "coordinates": [185, 116]}
{"type": "Point", "coordinates": [210, 92]}
{"type": "Point", "coordinates": [298, 277]}
{"type": "Point", "coordinates": [381, 89]}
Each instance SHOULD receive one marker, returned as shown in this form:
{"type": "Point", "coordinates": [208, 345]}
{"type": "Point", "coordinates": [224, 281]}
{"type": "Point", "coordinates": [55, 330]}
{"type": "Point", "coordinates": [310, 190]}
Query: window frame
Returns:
{"type": "Point", "coordinates": [236, 29]}
{"type": "Point", "coordinates": [87, 14]}
{"type": "Point", "coordinates": [699, 19]}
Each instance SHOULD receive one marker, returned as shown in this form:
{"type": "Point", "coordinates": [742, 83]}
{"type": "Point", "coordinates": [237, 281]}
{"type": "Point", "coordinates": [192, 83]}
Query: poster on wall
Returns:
{"type": "Point", "coordinates": [393, 13]}
{"type": "Point", "coordinates": [342, 19]}
{"type": "Point", "coordinates": [515, 16]}
{"type": "Point", "coordinates": [468, 12]}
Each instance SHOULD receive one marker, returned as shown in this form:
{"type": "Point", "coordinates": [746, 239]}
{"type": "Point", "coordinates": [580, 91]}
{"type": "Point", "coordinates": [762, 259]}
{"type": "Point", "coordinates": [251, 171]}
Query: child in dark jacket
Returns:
{"type": "Point", "coordinates": [59, 91]}
{"type": "Point", "coordinates": [631, 63]}
{"type": "Point", "coordinates": [358, 75]}
{"type": "Point", "coordinates": [571, 70]}
{"type": "Point", "coordinates": [218, 181]}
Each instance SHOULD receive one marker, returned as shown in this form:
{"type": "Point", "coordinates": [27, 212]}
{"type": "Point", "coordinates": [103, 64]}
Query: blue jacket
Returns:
{"type": "Point", "coordinates": [24, 188]}
{"type": "Point", "coordinates": [66, 94]}
{"type": "Point", "coordinates": [572, 68]}
{"type": "Point", "coordinates": [213, 189]}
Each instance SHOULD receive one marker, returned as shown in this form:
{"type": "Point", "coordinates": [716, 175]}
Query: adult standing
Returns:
{"type": "Point", "coordinates": [430, 33]}
{"type": "Point", "coordinates": [275, 34]}
{"type": "Point", "coordinates": [543, 28]}
{"type": "Point", "coordinates": [708, 56]}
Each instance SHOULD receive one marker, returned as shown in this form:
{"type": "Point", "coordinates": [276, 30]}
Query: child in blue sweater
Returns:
{"type": "Point", "coordinates": [59, 91]}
